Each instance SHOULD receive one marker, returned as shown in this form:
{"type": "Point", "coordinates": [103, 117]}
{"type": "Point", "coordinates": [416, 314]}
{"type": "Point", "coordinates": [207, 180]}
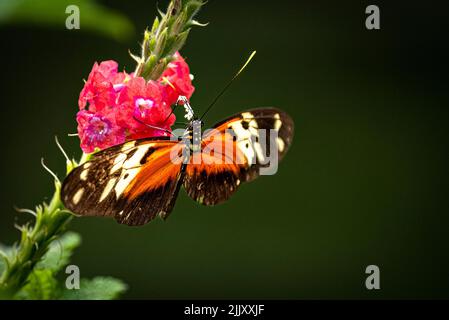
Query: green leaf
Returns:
{"type": "Point", "coordinates": [60, 252]}
{"type": "Point", "coordinates": [93, 16]}
{"type": "Point", "coordinates": [98, 288]}
{"type": "Point", "coordinates": [41, 285]}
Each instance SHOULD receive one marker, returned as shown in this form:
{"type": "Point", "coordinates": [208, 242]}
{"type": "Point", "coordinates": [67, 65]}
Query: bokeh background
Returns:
{"type": "Point", "coordinates": [365, 182]}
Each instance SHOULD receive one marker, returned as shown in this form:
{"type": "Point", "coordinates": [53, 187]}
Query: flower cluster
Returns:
{"type": "Point", "coordinates": [117, 106]}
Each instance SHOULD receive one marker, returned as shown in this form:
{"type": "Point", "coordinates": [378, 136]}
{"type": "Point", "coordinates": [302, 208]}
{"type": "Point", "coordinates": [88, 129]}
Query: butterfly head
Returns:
{"type": "Point", "coordinates": [189, 114]}
{"type": "Point", "coordinates": [194, 121]}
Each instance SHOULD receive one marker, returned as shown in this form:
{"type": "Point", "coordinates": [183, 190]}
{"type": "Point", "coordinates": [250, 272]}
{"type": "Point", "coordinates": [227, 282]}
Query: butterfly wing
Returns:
{"type": "Point", "coordinates": [133, 182]}
{"type": "Point", "coordinates": [222, 169]}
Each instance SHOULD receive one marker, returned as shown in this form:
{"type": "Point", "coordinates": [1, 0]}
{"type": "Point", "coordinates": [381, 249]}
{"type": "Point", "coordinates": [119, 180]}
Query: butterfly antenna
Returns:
{"type": "Point", "coordinates": [229, 83]}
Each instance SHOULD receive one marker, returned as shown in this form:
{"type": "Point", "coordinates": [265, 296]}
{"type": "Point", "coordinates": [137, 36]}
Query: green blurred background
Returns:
{"type": "Point", "coordinates": [365, 182]}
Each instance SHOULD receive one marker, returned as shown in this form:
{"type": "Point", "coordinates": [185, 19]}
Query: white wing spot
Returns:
{"type": "Point", "coordinates": [242, 133]}
{"type": "Point", "coordinates": [128, 145]}
{"type": "Point", "coordinates": [244, 137]}
{"type": "Point", "coordinates": [134, 161]}
{"type": "Point", "coordinates": [87, 165]}
{"type": "Point", "coordinates": [83, 175]}
{"type": "Point", "coordinates": [126, 177]}
{"type": "Point", "coordinates": [77, 197]}
{"type": "Point", "coordinates": [247, 150]}
{"type": "Point", "coordinates": [253, 129]}
{"type": "Point", "coordinates": [118, 162]}
{"type": "Point", "coordinates": [107, 189]}
{"type": "Point", "coordinates": [247, 115]}
{"type": "Point", "coordinates": [281, 144]}
{"type": "Point", "coordinates": [277, 122]}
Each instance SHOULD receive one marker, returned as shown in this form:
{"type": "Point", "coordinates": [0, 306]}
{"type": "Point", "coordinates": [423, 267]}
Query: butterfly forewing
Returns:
{"type": "Point", "coordinates": [133, 182]}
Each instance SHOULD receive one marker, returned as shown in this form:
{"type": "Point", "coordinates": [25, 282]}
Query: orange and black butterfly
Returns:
{"type": "Point", "coordinates": [136, 181]}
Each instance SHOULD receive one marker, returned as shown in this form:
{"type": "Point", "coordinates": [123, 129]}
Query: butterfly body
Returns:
{"type": "Point", "coordinates": [139, 180]}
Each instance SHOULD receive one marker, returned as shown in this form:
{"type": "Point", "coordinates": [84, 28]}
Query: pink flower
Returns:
{"type": "Point", "coordinates": [178, 76]}
{"type": "Point", "coordinates": [98, 90]}
{"type": "Point", "coordinates": [97, 131]}
{"type": "Point", "coordinates": [143, 100]}
{"type": "Point", "coordinates": [116, 106]}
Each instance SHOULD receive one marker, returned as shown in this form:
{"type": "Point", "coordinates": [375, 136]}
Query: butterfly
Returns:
{"type": "Point", "coordinates": [139, 180]}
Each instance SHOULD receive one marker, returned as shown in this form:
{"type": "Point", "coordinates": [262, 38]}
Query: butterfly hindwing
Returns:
{"type": "Point", "coordinates": [212, 182]}
{"type": "Point", "coordinates": [133, 182]}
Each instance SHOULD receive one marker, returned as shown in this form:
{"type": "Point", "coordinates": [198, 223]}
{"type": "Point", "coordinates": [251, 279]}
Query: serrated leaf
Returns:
{"type": "Point", "coordinates": [60, 252]}
{"type": "Point", "coordinates": [41, 285]}
{"type": "Point", "coordinates": [98, 288]}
